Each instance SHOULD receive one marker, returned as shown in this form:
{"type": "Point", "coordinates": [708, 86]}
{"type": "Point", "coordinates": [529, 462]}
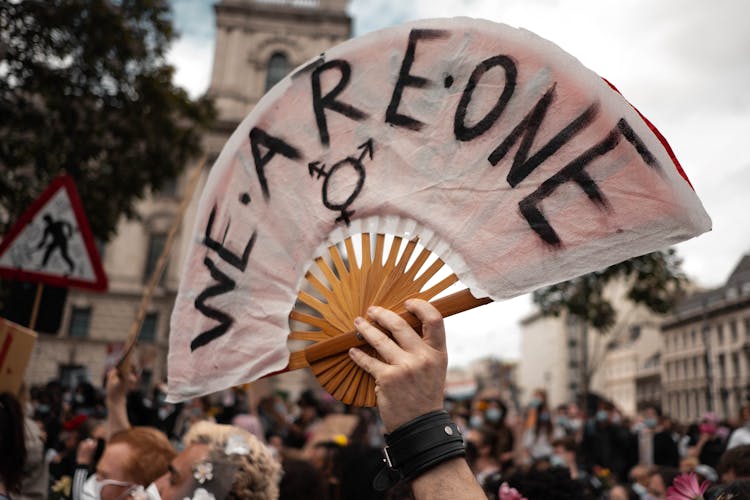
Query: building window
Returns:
{"type": "Point", "coordinates": [169, 187]}
{"type": "Point", "coordinates": [148, 327]}
{"type": "Point", "coordinates": [722, 367]}
{"type": "Point", "coordinates": [720, 333]}
{"type": "Point", "coordinates": [747, 327]}
{"type": "Point", "coordinates": [80, 319]}
{"type": "Point", "coordinates": [692, 337]}
{"type": "Point", "coordinates": [156, 244]}
{"type": "Point", "coordinates": [733, 329]}
{"type": "Point", "coordinates": [635, 332]}
{"type": "Point", "coordinates": [278, 67]}
{"type": "Point", "coordinates": [735, 364]}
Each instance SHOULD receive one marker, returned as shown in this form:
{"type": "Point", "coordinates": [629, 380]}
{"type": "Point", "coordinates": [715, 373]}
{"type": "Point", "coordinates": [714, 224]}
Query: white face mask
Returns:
{"type": "Point", "coordinates": [92, 488]}
{"type": "Point", "coordinates": [150, 493]}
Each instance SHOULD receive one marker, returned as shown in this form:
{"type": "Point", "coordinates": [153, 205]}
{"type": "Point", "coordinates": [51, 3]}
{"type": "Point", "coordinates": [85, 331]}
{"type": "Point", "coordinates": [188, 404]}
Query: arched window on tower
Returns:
{"type": "Point", "coordinates": [278, 67]}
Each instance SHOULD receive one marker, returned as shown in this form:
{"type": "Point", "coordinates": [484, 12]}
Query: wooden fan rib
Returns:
{"type": "Point", "coordinates": [353, 385]}
{"type": "Point", "coordinates": [308, 335]}
{"type": "Point", "coordinates": [338, 385]}
{"type": "Point", "coordinates": [316, 322]}
{"type": "Point", "coordinates": [319, 287]}
{"type": "Point", "coordinates": [438, 287]}
{"type": "Point", "coordinates": [427, 275]}
{"type": "Point", "coordinates": [328, 367]}
{"type": "Point", "coordinates": [418, 263]}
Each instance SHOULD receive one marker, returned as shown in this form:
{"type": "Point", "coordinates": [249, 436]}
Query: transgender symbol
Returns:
{"type": "Point", "coordinates": [355, 163]}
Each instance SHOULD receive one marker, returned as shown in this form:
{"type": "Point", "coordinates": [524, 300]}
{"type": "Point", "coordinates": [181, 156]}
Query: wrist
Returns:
{"type": "Point", "coordinates": [418, 446]}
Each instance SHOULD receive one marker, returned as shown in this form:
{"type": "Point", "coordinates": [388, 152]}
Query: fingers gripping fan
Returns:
{"type": "Point", "coordinates": [501, 153]}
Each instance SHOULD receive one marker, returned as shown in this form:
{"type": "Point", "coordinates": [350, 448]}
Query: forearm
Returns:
{"type": "Point", "coordinates": [451, 479]}
{"type": "Point", "coordinates": [117, 417]}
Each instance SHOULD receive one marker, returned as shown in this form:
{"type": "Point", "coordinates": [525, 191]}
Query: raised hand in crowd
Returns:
{"type": "Point", "coordinates": [117, 390]}
{"type": "Point", "coordinates": [424, 446]}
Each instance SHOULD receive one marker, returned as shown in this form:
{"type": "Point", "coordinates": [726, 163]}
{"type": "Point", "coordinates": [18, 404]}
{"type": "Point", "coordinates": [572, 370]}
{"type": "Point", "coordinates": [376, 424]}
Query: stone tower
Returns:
{"type": "Point", "coordinates": [259, 41]}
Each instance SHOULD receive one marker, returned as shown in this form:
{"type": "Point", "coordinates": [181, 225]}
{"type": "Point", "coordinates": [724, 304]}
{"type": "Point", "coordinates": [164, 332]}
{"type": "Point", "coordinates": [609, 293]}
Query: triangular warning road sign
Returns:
{"type": "Point", "coordinates": [52, 243]}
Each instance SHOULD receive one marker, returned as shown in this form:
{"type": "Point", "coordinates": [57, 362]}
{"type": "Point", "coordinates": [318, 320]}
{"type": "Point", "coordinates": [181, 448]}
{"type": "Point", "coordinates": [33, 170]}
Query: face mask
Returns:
{"type": "Point", "coordinates": [650, 423]}
{"type": "Point", "coordinates": [79, 398]}
{"type": "Point", "coordinates": [92, 488]}
{"type": "Point", "coordinates": [493, 415]}
{"type": "Point", "coordinates": [602, 415]}
{"type": "Point", "coordinates": [150, 493]}
{"type": "Point", "coordinates": [535, 402]}
{"type": "Point", "coordinates": [557, 461]}
{"type": "Point", "coordinates": [476, 421]}
{"type": "Point", "coordinates": [639, 489]}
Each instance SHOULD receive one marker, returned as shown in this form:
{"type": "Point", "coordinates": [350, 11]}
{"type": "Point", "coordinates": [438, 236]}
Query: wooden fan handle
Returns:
{"type": "Point", "coordinates": [448, 306]}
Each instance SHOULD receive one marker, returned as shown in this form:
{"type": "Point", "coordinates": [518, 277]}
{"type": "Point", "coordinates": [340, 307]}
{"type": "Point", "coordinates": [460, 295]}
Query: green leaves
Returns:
{"type": "Point", "coordinates": [85, 89]}
{"type": "Point", "coordinates": [654, 280]}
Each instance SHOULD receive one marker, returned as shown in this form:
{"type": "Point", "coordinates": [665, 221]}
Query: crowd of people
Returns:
{"type": "Point", "coordinates": [119, 441]}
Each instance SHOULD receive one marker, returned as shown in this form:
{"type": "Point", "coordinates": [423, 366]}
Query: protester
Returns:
{"type": "Point", "coordinates": [741, 435]}
{"type": "Point", "coordinates": [735, 464]}
{"type": "Point", "coordinates": [34, 483]}
{"type": "Point", "coordinates": [223, 460]}
{"type": "Point", "coordinates": [12, 445]}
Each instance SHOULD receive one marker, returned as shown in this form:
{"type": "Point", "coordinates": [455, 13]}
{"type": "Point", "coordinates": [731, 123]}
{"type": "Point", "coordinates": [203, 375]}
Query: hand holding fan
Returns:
{"type": "Point", "coordinates": [502, 154]}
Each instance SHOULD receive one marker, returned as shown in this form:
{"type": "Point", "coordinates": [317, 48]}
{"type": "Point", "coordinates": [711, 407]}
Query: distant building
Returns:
{"type": "Point", "coordinates": [257, 43]}
{"type": "Point", "coordinates": [557, 353]}
{"type": "Point", "coordinates": [706, 354]}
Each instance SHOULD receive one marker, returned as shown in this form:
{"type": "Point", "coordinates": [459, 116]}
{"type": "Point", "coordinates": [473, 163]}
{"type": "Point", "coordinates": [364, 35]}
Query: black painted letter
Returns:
{"type": "Point", "coordinates": [464, 133]}
{"type": "Point", "coordinates": [320, 103]}
{"type": "Point", "coordinates": [225, 284]}
{"type": "Point", "coordinates": [239, 263]}
{"type": "Point", "coordinates": [573, 171]}
{"type": "Point", "coordinates": [406, 80]}
{"type": "Point", "coordinates": [258, 137]}
{"type": "Point", "coordinates": [528, 128]}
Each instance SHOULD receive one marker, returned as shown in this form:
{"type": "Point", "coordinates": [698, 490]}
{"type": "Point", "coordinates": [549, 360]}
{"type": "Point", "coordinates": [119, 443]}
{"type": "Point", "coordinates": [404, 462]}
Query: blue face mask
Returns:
{"type": "Point", "coordinates": [650, 423]}
{"type": "Point", "coordinates": [493, 415]}
{"type": "Point", "coordinates": [476, 421]}
{"type": "Point", "coordinates": [557, 461]}
{"type": "Point", "coordinates": [602, 416]}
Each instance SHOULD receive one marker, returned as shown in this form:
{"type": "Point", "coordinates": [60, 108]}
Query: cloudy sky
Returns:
{"type": "Point", "coordinates": [683, 63]}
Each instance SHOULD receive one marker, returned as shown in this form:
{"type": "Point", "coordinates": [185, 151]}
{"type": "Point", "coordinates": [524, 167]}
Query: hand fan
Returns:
{"type": "Point", "coordinates": [502, 154]}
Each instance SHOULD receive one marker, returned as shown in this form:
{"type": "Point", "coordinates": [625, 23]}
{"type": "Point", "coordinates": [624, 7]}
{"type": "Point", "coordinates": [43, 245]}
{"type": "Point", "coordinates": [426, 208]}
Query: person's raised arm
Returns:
{"type": "Point", "coordinates": [423, 444]}
{"type": "Point", "coordinates": [117, 391]}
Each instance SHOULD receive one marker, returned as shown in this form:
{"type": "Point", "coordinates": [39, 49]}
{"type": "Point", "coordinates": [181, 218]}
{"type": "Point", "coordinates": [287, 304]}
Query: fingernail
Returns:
{"type": "Point", "coordinates": [358, 320]}
{"type": "Point", "coordinates": [372, 309]}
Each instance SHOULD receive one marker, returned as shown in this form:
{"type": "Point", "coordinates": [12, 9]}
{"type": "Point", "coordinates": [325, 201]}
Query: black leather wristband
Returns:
{"type": "Point", "coordinates": [417, 446]}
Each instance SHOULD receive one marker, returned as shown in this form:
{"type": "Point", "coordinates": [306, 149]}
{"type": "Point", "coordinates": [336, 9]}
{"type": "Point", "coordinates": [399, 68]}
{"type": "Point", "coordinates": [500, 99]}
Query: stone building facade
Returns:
{"type": "Point", "coordinates": [557, 352]}
{"type": "Point", "coordinates": [706, 351]}
{"type": "Point", "coordinates": [257, 43]}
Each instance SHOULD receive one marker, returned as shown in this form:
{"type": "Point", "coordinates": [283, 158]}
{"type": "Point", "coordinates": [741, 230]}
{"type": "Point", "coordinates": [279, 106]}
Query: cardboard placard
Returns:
{"type": "Point", "coordinates": [16, 345]}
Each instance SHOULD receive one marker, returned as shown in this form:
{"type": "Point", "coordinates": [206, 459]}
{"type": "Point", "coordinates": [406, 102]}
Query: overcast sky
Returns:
{"type": "Point", "coordinates": [684, 63]}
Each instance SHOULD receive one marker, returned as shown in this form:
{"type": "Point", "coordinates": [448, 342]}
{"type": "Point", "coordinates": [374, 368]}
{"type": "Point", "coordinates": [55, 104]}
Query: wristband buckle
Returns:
{"type": "Point", "coordinates": [387, 456]}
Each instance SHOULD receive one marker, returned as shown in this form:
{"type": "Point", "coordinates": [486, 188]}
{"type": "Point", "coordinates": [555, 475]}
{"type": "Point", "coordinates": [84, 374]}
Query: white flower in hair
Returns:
{"type": "Point", "coordinates": [201, 494]}
{"type": "Point", "coordinates": [236, 445]}
{"type": "Point", "coordinates": [203, 472]}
